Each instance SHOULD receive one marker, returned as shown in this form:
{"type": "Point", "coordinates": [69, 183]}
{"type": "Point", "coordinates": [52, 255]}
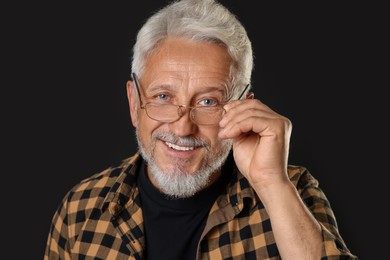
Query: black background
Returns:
{"type": "Point", "coordinates": [65, 113]}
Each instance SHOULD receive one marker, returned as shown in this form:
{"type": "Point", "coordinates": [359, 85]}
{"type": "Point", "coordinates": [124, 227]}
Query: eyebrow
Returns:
{"type": "Point", "coordinates": [204, 90]}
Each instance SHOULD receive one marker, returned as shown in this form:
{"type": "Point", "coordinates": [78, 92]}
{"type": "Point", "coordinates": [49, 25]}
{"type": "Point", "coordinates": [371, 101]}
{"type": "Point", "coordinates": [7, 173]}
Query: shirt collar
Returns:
{"type": "Point", "coordinates": [239, 192]}
{"type": "Point", "coordinates": [123, 191]}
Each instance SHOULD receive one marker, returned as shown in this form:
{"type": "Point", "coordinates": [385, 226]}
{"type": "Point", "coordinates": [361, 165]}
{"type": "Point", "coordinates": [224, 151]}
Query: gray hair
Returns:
{"type": "Point", "coordinates": [198, 20]}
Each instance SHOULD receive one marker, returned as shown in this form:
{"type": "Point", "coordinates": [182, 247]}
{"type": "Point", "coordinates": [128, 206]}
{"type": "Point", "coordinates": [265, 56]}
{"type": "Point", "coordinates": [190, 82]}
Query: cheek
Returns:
{"type": "Point", "coordinates": [146, 126]}
{"type": "Point", "coordinates": [210, 134]}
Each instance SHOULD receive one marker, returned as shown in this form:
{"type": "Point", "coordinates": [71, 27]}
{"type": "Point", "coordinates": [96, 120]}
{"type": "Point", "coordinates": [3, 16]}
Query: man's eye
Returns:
{"type": "Point", "coordinates": [208, 102]}
{"type": "Point", "coordinates": [162, 96]}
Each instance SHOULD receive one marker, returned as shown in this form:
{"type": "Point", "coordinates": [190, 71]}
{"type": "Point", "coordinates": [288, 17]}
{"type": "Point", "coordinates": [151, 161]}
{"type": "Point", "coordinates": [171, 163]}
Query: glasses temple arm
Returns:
{"type": "Point", "coordinates": [243, 92]}
{"type": "Point", "coordinates": [135, 80]}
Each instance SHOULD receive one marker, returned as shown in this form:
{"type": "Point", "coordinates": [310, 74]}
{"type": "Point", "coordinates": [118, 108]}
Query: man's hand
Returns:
{"type": "Point", "coordinates": [260, 140]}
{"type": "Point", "coordinates": [260, 146]}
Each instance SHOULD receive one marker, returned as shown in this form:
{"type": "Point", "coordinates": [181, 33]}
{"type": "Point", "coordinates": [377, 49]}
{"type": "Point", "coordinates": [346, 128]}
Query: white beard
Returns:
{"type": "Point", "coordinates": [179, 183]}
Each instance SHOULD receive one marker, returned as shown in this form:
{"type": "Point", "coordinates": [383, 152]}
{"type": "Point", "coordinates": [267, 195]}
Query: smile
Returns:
{"type": "Point", "coordinates": [180, 148]}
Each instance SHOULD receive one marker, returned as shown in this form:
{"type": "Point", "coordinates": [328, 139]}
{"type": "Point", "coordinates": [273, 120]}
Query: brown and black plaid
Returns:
{"type": "Point", "coordinates": [101, 218]}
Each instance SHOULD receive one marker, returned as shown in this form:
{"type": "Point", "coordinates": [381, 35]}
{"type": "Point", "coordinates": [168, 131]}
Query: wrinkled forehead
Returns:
{"type": "Point", "coordinates": [179, 62]}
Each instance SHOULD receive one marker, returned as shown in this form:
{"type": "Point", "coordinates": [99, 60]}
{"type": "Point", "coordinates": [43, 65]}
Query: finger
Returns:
{"type": "Point", "coordinates": [239, 109]}
{"type": "Point", "coordinates": [243, 111]}
{"type": "Point", "coordinates": [237, 127]}
{"type": "Point", "coordinates": [255, 117]}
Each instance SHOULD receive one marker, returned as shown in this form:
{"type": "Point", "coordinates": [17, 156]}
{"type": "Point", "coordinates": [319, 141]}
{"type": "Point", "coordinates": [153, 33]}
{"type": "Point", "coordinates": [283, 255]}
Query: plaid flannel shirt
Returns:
{"type": "Point", "coordinates": [101, 218]}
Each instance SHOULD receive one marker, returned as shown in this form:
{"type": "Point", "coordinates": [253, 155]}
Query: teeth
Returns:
{"type": "Point", "coordinates": [180, 148]}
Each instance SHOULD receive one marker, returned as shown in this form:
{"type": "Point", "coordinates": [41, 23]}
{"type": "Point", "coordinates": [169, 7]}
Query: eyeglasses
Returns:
{"type": "Point", "coordinates": [168, 113]}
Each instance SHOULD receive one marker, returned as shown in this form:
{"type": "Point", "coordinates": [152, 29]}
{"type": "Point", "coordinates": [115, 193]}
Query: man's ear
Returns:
{"type": "Point", "coordinates": [132, 98]}
{"type": "Point", "coordinates": [250, 95]}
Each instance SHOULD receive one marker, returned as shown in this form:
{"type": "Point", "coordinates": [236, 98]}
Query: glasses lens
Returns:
{"type": "Point", "coordinates": [162, 112]}
{"type": "Point", "coordinates": [199, 115]}
{"type": "Point", "coordinates": [207, 115]}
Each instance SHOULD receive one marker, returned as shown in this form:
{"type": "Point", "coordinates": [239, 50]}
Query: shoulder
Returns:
{"type": "Point", "coordinates": [301, 177]}
{"type": "Point", "coordinates": [97, 187]}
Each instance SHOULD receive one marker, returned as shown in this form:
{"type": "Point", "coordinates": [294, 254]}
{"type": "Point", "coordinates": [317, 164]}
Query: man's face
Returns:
{"type": "Point", "coordinates": [182, 156]}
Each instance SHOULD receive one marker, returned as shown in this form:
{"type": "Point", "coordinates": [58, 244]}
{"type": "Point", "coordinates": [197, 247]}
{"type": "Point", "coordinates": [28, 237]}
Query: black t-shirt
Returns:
{"type": "Point", "coordinates": [173, 226]}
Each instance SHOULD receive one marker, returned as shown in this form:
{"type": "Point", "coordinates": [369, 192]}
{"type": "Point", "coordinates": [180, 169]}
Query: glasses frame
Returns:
{"type": "Point", "coordinates": [143, 106]}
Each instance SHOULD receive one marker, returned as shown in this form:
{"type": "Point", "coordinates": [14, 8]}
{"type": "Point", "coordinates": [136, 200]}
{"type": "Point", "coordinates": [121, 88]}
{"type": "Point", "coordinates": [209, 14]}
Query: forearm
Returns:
{"type": "Point", "coordinates": [297, 233]}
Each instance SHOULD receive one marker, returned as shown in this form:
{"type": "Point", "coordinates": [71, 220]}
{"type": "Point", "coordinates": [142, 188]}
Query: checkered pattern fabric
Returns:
{"type": "Point", "coordinates": [101, 218]}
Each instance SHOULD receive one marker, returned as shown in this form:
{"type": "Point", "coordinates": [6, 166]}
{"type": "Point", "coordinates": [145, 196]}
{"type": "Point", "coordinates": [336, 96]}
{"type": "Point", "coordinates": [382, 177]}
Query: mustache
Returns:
{"type": "Point", "coordinates": [182, 141]}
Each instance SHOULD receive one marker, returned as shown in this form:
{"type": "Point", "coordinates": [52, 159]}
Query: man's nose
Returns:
{"type": "Point", "coordinates": [184, 125]}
